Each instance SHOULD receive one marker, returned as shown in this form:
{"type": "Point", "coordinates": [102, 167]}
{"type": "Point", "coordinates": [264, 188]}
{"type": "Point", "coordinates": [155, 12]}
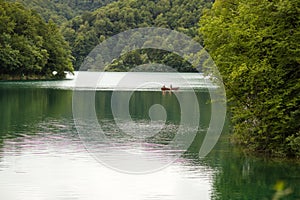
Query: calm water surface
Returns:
{"type": "Point", "coordinates": [42, 156]}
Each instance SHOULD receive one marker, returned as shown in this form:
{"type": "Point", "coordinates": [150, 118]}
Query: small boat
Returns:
{"type": "Point", "coordinates": [164, 88]}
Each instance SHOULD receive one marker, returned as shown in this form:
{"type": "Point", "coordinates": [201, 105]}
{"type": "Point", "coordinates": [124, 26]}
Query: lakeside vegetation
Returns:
{"type": "Point", "coordinates": [30, 47]}
{"type": "Point", "coordinates": [254, 44]}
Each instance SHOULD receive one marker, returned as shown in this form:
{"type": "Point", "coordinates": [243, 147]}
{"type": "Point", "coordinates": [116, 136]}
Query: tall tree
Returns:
{"type": "Point", "coordinates": [29, 46]}
{"type": "Point", "coordinates": [255, 45]}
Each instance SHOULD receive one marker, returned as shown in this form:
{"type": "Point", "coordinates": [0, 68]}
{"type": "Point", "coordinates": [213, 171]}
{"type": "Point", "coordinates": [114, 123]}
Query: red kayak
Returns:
{"type": "Point", "coordinates": [164, 88]}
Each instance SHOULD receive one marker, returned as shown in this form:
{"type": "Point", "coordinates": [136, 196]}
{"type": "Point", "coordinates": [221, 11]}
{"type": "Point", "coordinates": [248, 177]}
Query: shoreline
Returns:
{"type": "Point", "coordinates": [6, 77]}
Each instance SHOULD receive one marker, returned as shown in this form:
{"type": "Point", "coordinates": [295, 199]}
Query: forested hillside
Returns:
{"type": "Point", "coordinates": [30, 47]}
{"type": "Point", "coordinates": [85, 24]}
{"type": "Point", "coordinates": [85, 31]}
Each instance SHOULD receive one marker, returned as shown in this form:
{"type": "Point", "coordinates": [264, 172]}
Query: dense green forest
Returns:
{"type": "Point", "coordinates": [85, 31]}
{"type": "Point", "coordinates": [85, 24]}
{"type": "Point", "coordinates": [255, 45]}
{"type": "Point", "coordinates": [30, 47]}
{"type": "Point", "coordinates": [60, 11]}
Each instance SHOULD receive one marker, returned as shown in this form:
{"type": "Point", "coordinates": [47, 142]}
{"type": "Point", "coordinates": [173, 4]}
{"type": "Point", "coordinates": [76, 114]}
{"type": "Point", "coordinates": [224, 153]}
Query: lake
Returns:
{"type": "Point", "coordinates": [45, 152]}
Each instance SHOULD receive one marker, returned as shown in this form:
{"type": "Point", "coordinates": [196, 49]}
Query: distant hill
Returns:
{"type": "Point", "coordinates": [85, 31]}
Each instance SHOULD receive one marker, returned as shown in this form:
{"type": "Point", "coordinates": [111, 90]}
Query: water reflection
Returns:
{"type": "Point", "coordinates": [42, 157]}
{"type": "Point", "coordinates": [55, 165]}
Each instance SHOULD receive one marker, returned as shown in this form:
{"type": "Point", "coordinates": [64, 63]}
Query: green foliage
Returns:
{"type": "Point", "coordinates": [140, 57]}
{"type": "Point", "coordinates": [29, 46]}
{"type": "Point", "coordinates": [60, 11]}
{"type": "Point", "coordinates": [85, 23]}
{"type": "Point", "coordinates": [294, 143]}
{"type": "Point", "coordinates": [255, 45]}
{"type": "Point", "coordinates": [84, 32]}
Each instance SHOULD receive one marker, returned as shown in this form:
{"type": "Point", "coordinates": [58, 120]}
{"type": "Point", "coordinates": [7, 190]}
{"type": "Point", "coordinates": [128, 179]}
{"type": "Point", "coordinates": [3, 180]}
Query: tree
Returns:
{"type": "Point", "coordinates": [29, 46]}
{"type": "Point", "coordinates": [254, 44]}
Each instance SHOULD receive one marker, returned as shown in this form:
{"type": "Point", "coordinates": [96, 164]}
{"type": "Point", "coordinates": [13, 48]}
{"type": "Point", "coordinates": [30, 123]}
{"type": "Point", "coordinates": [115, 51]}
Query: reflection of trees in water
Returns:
{"type": "Point", "coordinates": [240, 176]}
{"type": "Point", "coordinates": [139, 106]}
{"type": "Point", "coordinates": [22, 109]}
{"type": "Point", "coordinates": [44, 114]}
{"type": "Point", "coordinates": [33, 117]}
{"type": "Point", "coordinates": [237, 175]}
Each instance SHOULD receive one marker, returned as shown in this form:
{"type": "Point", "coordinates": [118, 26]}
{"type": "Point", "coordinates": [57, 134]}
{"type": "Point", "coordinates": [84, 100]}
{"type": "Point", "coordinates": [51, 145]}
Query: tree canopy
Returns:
{"type": "Point", "coordinates": [60, 11]}
{"type": "Point", "coordinates": [85, 24]}
{"type": "Point", "coordinates": [85, 31]}
{"type": "Point", "coordinates": [256, 46]}
{"type": "Point", "coordinates": [29, 46]}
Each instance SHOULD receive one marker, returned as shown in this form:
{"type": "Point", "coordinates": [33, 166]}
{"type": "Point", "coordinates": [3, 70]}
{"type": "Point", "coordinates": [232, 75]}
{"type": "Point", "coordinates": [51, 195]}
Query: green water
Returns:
{"type": "Point", "coordinates": [42, 156]}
